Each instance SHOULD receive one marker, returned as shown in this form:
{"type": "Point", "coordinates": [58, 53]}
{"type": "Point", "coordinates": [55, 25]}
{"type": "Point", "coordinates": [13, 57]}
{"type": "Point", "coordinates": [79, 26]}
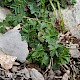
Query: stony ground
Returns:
{"type": "Point", "coordinates": [20, 72]}
{"type": "Point", "coordinates": [26, 70]}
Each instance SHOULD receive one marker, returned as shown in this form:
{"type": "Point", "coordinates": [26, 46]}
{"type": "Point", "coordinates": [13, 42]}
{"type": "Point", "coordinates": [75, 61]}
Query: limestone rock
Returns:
{"type": "Point", "coordinates": [71, 17]}
{"type": "Point", "coordinates": [75, 53]}
{"type": "Point", "coordinates": [12, 44]}
{"type": "Point", "coordinates": [7, 61]}
{"type": "Point", "coordinates": [24, 72]}
{"type": "Point", "coordinates": [35, 75]}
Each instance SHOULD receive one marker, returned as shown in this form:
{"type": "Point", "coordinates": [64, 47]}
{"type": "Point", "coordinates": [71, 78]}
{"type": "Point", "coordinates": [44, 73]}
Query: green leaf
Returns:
{"type": "Point", "coordinates": [2, 30]}
{"type": "Point", "coordinates": [45, 60]}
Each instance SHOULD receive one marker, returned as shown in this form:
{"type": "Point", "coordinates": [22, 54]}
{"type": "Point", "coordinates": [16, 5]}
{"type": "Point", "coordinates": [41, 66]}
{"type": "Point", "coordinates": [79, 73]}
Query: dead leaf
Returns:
{"type": "Point", "coordinates": [7, 61]}
{"type": "Point", "coordinates": [17, 27]}
{"type": "Point", "coordinates": [66, 75]}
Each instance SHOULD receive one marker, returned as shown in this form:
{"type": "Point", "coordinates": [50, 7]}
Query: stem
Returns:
{"type": "Point", "coordinates": [53, 7]}
{"type": "Point", "coordinates": [39, 20]}
{"type": "Point", "coordinates": [62, 21]}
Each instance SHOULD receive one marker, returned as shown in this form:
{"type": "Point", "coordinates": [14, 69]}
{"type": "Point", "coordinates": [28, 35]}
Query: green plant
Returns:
{"type": "Point", "coordinates": [42, 39]}
{"type": "Point", "coordinates": [64, 3]}
{"type": "Point", "coordinates": [37, 21]}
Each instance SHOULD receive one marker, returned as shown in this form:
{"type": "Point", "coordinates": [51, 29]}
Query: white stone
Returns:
{"type": "Point", "coordinates": [35, 75]}
{"type": "Point", "coordinates": [71, 17]}
{"type": "Point", "coordinates": [3, 13]}
{"type": "Point", "coordinates": [25, 72]}
{"type": "Point", "coordinates": [74, 53]}
{"type": "Point", "coordinates": [11, 43]}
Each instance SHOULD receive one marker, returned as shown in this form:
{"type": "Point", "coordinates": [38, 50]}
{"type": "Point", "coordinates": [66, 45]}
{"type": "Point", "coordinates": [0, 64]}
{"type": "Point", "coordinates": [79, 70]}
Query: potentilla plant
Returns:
{"type": "Point", "coordinates": [37, 20]}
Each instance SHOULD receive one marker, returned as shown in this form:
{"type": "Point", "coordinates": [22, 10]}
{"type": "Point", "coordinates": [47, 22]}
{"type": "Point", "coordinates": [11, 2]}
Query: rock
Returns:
{"type": "Point", "coordinates": [25, 73]}
{"type": "Point", "coordinates": [12, 44]}
{"type": "Point", "coordinates": [51, 74]}
{"type": "Point", "coordinates": [71, 17]}
{"type": "Point", "coordinates": [7, 61]}
{"type": "Point", "coordinates": [14, 69]}
{"type": "Point", "coordinates": [35, 75]}
{"type": "Point", "coordinates": [58, 72]}
{"type": "Point", "coordinates": [75, 53]}
{"type": "Point", "coordinates": [9, 75]}
{"type": "Point", "coordinates": [66, 75]}
{"type": "Point", "coordinates": [3, 13]}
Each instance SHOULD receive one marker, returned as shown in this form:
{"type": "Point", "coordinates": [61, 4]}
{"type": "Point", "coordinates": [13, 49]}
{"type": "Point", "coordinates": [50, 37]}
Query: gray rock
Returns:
{"type": "Point", "coordinates": [12, 44]}
{"type": "Point", "coordinates": [3, 13]}
{"type": "Point", "coordinates": [74, 52]}
{"type": "Point", "coordinates": [25, 73]}
{"type": "Point", "coordinates": [35, 75]}
{"type": "Point", "coordinates": [71, 17]}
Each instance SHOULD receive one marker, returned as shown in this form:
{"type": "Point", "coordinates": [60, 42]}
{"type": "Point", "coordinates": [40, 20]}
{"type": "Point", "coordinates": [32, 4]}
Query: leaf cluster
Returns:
{"type": "Point", "coordinates": [42, 39]}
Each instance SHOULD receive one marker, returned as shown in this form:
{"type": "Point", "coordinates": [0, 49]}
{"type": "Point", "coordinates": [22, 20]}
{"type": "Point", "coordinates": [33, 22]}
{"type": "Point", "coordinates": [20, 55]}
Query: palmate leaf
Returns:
{"type": "Point", "coordinates": [38, 55]}
{"type": "Point", "coordinates": [50, 34]}
{"type": "Point", "coordinates": [13, 20]}
{"type": "Point", "coordinates": [63, 56]}
{"type": "Point", "coordinates": [18, 6]}
{"type": "Point", "coordinates": [33, 7]}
